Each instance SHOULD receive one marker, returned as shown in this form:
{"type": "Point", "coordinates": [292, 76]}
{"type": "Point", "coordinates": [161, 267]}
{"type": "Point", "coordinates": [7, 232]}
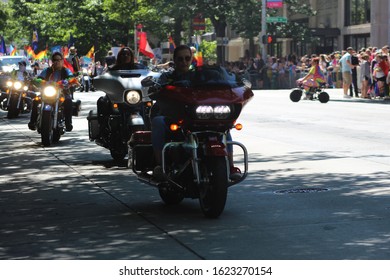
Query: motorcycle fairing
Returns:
{"type": "Point", "coordinates": [114, 83]}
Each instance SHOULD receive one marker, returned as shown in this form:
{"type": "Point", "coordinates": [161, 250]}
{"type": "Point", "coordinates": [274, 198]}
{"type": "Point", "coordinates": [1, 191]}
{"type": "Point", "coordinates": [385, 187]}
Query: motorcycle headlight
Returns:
{"type": "Point", "coordinates": [49, 91]}
{"type": "Point", "coordinates": [204, 112]}
{"type": "Point", "coordinates": [133, 97]}
{"type": "Point", "coordinates": [25, 88]}
{"type": "Point", "coordinates": [18, 85]}
{"type": "Point", "coordinates": [221, 112]}
{"type": "Point", "coordinates": [9, 83]}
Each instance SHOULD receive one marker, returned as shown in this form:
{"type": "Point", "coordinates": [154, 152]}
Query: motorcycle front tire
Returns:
{"type": "Point", "coordinates": [213, 192]}
{"type": "Point", "coordinates": [13, 111]}
{"type": "Point", "coordinates": [46, 128]}
{"type": "Point", "coordinates": [118, 155]}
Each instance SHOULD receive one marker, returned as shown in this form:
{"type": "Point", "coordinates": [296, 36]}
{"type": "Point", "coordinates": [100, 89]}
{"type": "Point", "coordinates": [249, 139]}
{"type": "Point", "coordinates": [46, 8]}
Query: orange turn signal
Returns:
{"type": "Point", "coordinates": [62, 99]}
{"type": "Point", "coordinates": [174, 127]}
{"type": "Point", "coordinates": [115, 106]}
{"type": "Point", "coordinates": [238, 126]}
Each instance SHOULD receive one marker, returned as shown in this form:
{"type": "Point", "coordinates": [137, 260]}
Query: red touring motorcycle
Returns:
{"type": "Point", "coordinates": [195, 163]}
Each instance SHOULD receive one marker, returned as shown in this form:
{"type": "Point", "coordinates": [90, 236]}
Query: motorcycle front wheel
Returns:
{"type": "Point", "coordinates": [118, 155]}
{"type": "Point", "coordinates": [213, 192]}
{"type": "Point", "coordinates": [46, 128]}
{"type": "Point", "coordinates": [13, 110]}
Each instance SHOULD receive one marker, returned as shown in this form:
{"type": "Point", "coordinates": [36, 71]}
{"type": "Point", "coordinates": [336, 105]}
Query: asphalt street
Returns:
{"type": "Point", "coordinates": [318, 189]}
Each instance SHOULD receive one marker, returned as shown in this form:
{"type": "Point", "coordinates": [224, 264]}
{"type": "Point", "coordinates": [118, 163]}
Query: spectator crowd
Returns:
{"type": "Point", "coordinates": [370, 71]}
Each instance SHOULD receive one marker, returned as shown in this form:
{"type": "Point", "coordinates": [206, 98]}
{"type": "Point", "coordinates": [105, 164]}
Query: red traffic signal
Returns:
{"type": "Point", "coordinates": [268, 39]}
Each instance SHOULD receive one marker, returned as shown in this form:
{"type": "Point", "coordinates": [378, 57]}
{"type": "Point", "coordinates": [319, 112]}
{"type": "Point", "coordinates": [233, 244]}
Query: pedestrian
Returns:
{"type": "Point", "coordinates": [346, 70]}
{"type": "Point", "coordinates": [354, 86]}
{"type": "Point", "coordinates": [365, 75]}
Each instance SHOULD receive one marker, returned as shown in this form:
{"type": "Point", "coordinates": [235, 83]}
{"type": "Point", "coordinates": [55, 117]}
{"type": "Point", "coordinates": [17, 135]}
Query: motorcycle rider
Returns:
{"type": "Point", "coordinates": [183, 71]}
{"type": "Point", "coordinates": [124, 61]}
{"type": "Point", "coordinates": [20, 74]}
{"type": "Point", "coordinates": [74, 60]}
{"type": "Point", "coordinates": [55, 73]}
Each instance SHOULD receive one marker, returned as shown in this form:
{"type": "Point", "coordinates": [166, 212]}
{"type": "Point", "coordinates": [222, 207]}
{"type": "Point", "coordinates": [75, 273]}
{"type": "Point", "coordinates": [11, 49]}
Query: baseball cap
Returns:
{"type": "Point", "coordinates": [22, 63]}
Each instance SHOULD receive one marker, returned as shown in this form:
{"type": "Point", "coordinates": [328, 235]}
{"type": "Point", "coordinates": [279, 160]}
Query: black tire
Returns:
{"type": "Point", "coordinates": [13, 111]}
{"type": "Point", "coordinates": [170, 196]}
{"type": "Point", "coordinates": [56, 135]}
{"type": "Point", "coordinates": [118, 155]}
{"type": "Point", "coordinates": [46, 128]}
{"type": "Point", "coordinates": [296, 95]}
{"type": "Point", "coordinates": [213, 194]}
{"type": "Point", "coordinates": [323, 97]}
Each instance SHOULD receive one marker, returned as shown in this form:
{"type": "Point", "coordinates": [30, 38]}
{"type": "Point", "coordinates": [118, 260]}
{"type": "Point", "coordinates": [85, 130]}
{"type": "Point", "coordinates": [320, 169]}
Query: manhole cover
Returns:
{"type": "Point", "coordinates": [303, 190]}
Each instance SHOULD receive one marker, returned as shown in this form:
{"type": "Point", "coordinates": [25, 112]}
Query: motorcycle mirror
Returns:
{"type": "Point", "coordinates": [148, 81]}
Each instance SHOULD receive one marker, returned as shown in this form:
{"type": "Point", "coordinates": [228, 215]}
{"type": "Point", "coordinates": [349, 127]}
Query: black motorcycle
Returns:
{"type": "Point", "coordinates": [123, 110]}
{"type": "Point", "coordinates": [51, 119]}
{"type": "Point", "coordinates": [18, 98]}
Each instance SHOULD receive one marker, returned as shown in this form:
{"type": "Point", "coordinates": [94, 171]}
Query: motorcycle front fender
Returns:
{"type": "Point", "coordinates": [47, 107]}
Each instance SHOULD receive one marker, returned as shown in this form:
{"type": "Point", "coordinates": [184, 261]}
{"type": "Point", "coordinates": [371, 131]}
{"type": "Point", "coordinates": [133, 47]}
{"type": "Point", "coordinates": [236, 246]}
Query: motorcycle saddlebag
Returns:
{"type": "Point", "coordinates": [141, 145]}
{"type": "Point", "coordinates": [93, 125]}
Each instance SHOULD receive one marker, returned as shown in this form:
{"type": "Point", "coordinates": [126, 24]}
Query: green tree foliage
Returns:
{"type": "Point", "coordinates": [106, 23]}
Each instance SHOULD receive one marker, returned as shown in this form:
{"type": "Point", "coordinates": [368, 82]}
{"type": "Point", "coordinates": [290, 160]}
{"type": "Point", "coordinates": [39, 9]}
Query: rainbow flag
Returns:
{"type": "Point", "coordinates": [30, 52]}
{"type": "Point", "coordinates": [199, 58]}
{"type": "Point", "coordinates": [41, 55]}
{"type": "Point", "coordinates": [91, 52]}
{"type": "Point", "coordinates": [12, 50]}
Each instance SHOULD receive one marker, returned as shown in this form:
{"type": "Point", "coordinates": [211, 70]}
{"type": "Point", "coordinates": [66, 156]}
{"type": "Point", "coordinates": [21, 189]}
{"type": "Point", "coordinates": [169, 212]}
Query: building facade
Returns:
{"type": "Point", "coordinates": [337, 25]}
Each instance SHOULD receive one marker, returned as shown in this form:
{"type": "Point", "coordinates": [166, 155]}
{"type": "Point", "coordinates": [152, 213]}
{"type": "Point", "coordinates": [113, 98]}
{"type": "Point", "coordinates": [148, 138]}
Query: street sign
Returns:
{"type": "Point", "coordinates": [276, 19]}
{"type": "Point", "coordinates": [274, 4]}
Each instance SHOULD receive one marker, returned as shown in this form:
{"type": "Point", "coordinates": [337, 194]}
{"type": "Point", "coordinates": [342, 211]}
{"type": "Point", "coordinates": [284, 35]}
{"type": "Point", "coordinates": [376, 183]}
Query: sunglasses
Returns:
{"type": "Point", "coordinates": [55, 60]}
{"type": "Point", "coordinates": [126, 54]}
{"type": "Point", "coordinates": [182, 58]}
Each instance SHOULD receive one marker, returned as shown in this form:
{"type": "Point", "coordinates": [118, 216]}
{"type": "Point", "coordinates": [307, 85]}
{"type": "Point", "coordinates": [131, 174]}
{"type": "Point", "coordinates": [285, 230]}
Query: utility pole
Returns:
{"type": "Point", "coordinates": [264, 28]}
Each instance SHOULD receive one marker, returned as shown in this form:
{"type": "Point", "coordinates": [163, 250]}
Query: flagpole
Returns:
{"type": "Point", "coordinates": [135, 40]}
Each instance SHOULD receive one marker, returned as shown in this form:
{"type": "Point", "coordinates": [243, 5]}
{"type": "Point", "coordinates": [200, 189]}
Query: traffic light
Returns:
{"type": "Point", "coordinates": [268, 39]}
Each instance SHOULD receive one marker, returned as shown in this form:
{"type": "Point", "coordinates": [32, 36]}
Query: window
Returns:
{"type": "Point", "coordinates": [357, 12]}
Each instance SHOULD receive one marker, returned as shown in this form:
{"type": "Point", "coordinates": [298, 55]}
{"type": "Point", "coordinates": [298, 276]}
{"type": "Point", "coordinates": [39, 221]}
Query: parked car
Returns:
{"type": "Point", "coordinates": [8, 64]}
